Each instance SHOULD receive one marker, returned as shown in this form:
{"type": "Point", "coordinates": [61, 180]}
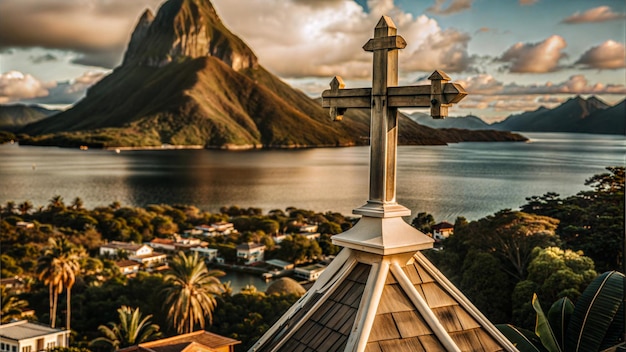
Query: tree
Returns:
{"type": "Point", "coordinates": [12, 306]}
{"type": "Point", "coordinates": [423, 222]}
{"type": "Point", "coordinates": [25, 207]}
{"type": "Point", "coordinates": [512, 236]}
{"type": "Point", "coordinates": [132, 329]}
{"type": "Point", "coordinates": [56, 203]}
{"type": "Point", "coordinates": [190, 291]}
{"type": "Point", "coordinates": [57, 267]}
{"type": "Point", "coordinates": [297, 249]}
{"type": "Point", "coordinates": [77, 203]}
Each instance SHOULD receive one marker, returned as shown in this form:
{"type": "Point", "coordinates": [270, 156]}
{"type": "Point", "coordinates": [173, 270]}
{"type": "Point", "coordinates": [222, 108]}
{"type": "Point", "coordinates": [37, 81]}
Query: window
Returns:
{"type": "Point", "coordinates": [13, 349]}
{"type": "Point", "coordinates": [50, 345]}
{"type": "Point", "coordinates": [26, 349]}
{"type": "Point", "coordinates": [2, 346]}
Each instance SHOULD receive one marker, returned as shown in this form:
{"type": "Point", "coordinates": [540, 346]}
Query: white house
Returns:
{"type": "Point", "coordinates": [219, 228]}
{"type": "Point", "coordinates": [113, 248]}
{"type": "Point", "coordinates": [250, 252]}
{"type": "Point", "coordinates": [308, 228]}
{"type": "Point", "coordinates": [25, 336]}
{"type": "Point", "coordinates": [309, 272]}
{"type": "Point", "coordinates": [141, 253]}
{"type": "Point", "coordinates": [209, 254]}
{"type": "Point", "coordinates": [128, 267]}
{"type": "Point", "coordinates": [442, 230]}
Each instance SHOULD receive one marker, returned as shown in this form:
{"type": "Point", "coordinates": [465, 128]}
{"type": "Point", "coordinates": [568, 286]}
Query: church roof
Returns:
{"type": "Point", "coordinates": [369, 302]}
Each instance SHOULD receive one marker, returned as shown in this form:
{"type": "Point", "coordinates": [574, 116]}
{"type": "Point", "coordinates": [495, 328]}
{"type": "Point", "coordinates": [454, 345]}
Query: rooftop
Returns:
{"type": "Point", "coordinates": [24, 329]}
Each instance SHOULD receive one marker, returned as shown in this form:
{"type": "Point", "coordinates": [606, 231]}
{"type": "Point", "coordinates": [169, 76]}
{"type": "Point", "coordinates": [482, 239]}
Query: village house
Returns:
{"type": "Point", "coordinates": [209, 254]}
{"type": "Point", "coordinates": [177, 243]}
{"type": "Point", "coordinates": [250, 252]}
{"type": "Point", "coordinates": [221, 228]}
{"type": "Point", "coordinates": [127, 266]}
{"type": "Point", "coordinates": [140, 253]}
{"type": "Point", "coordinates": [26, 336]}
{"type": "Point", "coordinates": [308, 228]}
{"type": "Point", "coordinates": [24, 225]}
{"type": "Point", "coordinates": [309, 272]}
{"type": "Point", "coordinates": [442, 230]}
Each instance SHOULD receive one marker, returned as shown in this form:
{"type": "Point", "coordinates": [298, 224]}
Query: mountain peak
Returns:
{"type": "Point", "coordinates": [186, 29]}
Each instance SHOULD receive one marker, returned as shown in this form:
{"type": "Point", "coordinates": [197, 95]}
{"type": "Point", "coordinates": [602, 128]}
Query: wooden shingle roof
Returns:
{"type": "Point", "coordinates": [382, 303]}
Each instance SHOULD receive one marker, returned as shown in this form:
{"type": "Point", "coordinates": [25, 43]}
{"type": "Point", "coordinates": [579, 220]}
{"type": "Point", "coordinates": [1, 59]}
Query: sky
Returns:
{"type": "Point", "coordinates": [510, 55]}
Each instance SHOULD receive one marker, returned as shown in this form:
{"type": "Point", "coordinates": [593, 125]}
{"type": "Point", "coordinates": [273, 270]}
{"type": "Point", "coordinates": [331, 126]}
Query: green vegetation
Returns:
{"type": "Point", "coordinates": [551, 250]}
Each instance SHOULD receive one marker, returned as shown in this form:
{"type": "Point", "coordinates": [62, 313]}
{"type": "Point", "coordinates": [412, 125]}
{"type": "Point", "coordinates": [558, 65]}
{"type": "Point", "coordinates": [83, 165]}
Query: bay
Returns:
{"type": "Point", "coordinates": [465, 179]}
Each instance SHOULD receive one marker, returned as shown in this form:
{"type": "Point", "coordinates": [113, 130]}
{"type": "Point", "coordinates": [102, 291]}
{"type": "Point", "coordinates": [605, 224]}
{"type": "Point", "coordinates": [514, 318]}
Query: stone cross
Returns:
{"type": "Point", "coordinates": [384, 99]}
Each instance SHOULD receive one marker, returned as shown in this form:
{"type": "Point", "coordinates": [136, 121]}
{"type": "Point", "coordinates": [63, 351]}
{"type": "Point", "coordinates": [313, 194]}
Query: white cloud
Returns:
{"type": "Point", "coordinates": [535, 57]}
{"type": "Point", "coordinates": [16, 86]}
{"type": "Point", "coordinates": [293, 39]}
{"type": "Point", "coordinates": [596, 14]}
{"type": "Point", "coordinates": [608, 55]}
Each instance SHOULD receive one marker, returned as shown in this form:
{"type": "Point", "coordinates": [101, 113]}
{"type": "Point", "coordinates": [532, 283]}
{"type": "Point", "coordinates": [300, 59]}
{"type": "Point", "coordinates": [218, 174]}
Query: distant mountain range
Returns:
{"type": "Point", "coordinates": [15, 117]}
{"type": "Point", "coordinates": [187, 80]}
{"type": "Point", "coordinates": [576, 115]}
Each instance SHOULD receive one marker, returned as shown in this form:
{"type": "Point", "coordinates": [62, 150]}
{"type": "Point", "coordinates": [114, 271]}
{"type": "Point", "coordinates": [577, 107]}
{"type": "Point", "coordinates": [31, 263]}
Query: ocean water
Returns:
{"type": "Point", "coordinates": [465, 179]}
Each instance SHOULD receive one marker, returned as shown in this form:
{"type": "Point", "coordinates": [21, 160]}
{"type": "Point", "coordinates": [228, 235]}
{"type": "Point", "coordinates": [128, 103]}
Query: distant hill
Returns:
{"type": "Point", "coordinates": [187, 80]}
{"type": "Point", "coordinates": [577, 115]}
{"type": "Point", "coordinates": [15, 117]}
{"type": "Point", "coordinates": [469, 122]}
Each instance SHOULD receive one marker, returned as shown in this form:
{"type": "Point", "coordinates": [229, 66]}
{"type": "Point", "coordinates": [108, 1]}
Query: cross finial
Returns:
{"type": "Point", "coordinates": [384, 99]}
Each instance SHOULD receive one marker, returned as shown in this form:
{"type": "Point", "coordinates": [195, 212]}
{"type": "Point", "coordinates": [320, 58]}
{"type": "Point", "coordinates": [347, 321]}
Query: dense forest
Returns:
{"type": "Point", "coordinates": [553, 247]}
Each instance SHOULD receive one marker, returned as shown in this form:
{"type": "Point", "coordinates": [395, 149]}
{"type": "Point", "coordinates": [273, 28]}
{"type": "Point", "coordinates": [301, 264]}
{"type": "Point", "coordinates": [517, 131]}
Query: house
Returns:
{"type": "Point", "coordinates": [128, 267]}
{"type": "Point", "coordinates": [221, 228]}
{"type": "Point", "coordinates": [24, 225]}
{"type": "Point", "coordinates": [209, 254]}
{"type": "Point", "coordinates": [308, 228]}
{"type": "Point", "coordinates": [164, 244]}
{"type": "Point", "coordinates": [113, 249]}
{"type": "Point", "coordinates": [309, 272]}
{"type": "Point", "coordinates": [140, 253]}
{"type": "Point", "coordinates": [310, 235]}
{"type": "Point", "coordinates": [442, 230]}
{"type": "Point", "coordinates": [278, 238]}
{"type": "Point", "coordinates": [279, 264]}
{"type": "Point", "coordinates": [250, 252]}
{"type": "Point", "coordinates": [198, 341]}
{"type": "Point", "coordinates": [26, 336]}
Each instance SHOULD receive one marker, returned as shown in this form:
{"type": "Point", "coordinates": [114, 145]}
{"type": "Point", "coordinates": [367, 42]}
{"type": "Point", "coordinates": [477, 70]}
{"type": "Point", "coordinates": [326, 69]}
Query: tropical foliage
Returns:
{"type": "Point", "coordinates": [190, 294]}
{"type": "Point", "coordinates": [12, 306]}
{"type": "Point", "coordinates": [131, 329]}
{"type": "Point", "coordinates": [595, 323]}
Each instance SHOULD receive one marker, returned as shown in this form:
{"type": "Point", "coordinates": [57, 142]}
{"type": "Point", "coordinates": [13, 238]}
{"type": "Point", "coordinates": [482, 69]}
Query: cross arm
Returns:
{"type": "Point", "coordinates": [338, 99]}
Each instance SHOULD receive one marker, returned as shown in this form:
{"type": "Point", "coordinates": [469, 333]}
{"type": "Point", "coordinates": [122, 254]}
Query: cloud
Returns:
{"type": "Point", "coordinates": [97, 30]}
{"type": "Point", "coordinates": [485, 84]}
{"type": "Point", "coordinates": [535, 57]}
{"type": "Point", "coordinates": [596, 14]}
{"type": "Point", "coordinates": [455, 6]}
{"type": "Point", "coordinates": [608, 55]}
{"type": "Point", "coordinates": [295, 39]}
{"type": "Point", "coordinates": [15, 86]}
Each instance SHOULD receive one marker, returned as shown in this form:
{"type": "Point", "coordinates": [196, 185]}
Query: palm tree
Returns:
{"type": "Point", "coordinates": [57, 267]}
{"type": "Point", "coordinates": [12, 306]}
{"type": "Point", "coordinates": [25, 207]}
{"type": "Point", "coordinates": [132, 329]}
{"type": "Point", "coordinates": [56, 203]}
{"type": "Point", "coordinates": [9, 208]}
{"type": "Point", "coordinates": [77, 203]}
{"type": "Point", "coordinates": [190, 292]}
